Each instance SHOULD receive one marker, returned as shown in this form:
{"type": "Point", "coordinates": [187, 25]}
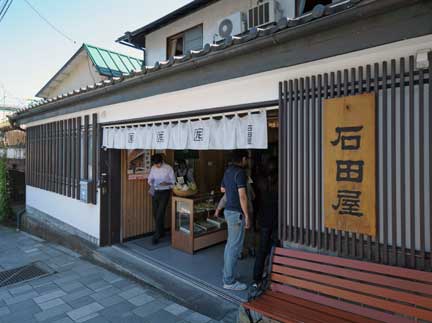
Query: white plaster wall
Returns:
{"type": "Point", "coordinates": [209, 17]}
{"type": "Point", "coordinates": [81, 74]}
{"type": "Point", "coordinates": [84, 217]}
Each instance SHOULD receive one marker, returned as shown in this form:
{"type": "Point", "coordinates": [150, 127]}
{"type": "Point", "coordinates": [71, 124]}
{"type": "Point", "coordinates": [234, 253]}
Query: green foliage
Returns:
{"type": "Point", "coordinates": [5, 208]}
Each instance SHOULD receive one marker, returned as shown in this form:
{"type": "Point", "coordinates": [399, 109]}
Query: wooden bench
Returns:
{"type": "Point", "coordinates": [312, 288]}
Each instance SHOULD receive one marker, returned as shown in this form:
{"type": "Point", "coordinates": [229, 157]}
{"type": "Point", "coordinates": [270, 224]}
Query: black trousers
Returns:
{"type": "Point", "coordinates": [159, 203]}
{"type": "Point", "coordinates": [263, 251]}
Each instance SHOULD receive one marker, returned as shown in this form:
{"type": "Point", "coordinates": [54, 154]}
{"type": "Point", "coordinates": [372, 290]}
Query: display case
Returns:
{"type": "Point", "coordinates": [194, 226]}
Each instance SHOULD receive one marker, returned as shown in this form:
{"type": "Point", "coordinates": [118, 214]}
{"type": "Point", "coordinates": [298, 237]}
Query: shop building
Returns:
{"type": "Point", "coordinates": [216, 59]}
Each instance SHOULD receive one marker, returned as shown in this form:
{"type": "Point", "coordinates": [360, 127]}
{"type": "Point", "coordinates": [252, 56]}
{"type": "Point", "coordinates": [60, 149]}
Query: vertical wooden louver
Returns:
{"type": "Point", "coordinates": [53, 156]}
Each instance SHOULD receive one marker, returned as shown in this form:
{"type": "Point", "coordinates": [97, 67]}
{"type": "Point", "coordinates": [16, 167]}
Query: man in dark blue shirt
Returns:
{"type": "Point", "coordinates": [236, 215]}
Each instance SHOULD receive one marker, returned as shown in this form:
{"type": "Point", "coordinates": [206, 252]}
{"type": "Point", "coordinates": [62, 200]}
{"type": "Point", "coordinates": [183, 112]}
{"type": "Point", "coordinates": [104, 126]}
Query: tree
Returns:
{"type": "Point", "coordinates": [5, 208]}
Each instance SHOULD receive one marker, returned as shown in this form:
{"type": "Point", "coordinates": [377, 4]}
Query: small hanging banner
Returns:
{"type": "Point", "coordinates": [161, 136]}
{"type": "Point", "coordinates": [252, 132]}
{"type": "Point", "coordinates": [199, 135]}
{"type": "Point", "coordinates": [119, 138]}
{"type": "Point", "coordinates": [223, 133]}
{"type": "Point", "coordinates": [145, 137]}
{"type": "Point", "coordinates": [131, 135]}
{"type": "Point", "coordinates": [179, 136]}
{"type": "Point", "coordinates": [106, 138]}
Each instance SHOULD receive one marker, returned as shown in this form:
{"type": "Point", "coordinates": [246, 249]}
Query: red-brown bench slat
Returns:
{"type": "Point", "coordinates": [341, 305]}
{"type": "Point", "coordinates": [355, 297]}
{"type": "Point", "coordinates": [358, 265]}
{"type": "Point", "coordinates": [299, 312]}
{"type": "Point", "coordinates": [320, 308]}
{"type": "Point", "coordinates": [362, 276]}
{"type": "Point", "coordinates": [278, 307]}
{"type": "Point", "coordinates": [275, 314]}
{"type": "Point", "coordinates": [355, 286]}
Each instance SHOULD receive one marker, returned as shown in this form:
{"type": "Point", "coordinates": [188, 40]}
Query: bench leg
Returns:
{"type": "Point", "coordinates": [249, 314]}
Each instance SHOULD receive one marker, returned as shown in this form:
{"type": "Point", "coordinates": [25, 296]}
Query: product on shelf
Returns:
{"type": "Point", "coordinates": [219, 222]}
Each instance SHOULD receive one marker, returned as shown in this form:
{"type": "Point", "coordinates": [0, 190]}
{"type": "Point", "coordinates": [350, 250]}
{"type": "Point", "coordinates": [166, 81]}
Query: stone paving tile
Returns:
{"type": "Point", "coordinates": [198, 318]}
{"type": "Point", "coordinates": [175, 309]}
{"type": "Point", "coordinates": [149, 308]}
{"type": "Point", "coordinates": [98, 285]}
{"type": "Point", "coordinates": [50, 304]}
{"type": "Point", "coordinates": [29, 306]}
{"type": "Point", "coordinates": [116, 312]}
{"type": "Point", "coordinates": [107, 292]}
{"type": "Point", "coordinates": [19, 317]}
{"type": "Point", "coordinates": [20, 298]}
{"type": "Point", "coordinates": [20, 290]}
{"type": "Point", "coordinates": [133, 292]}
{"type": "Point", "coordinates": [49, 296]}
{"type": "Point", "coordinates": [110, 301]}
{"type": "Point", "coordinates": [87, 318]}
{"type": "Point", "coordinates": [52, 313]}
{"type": "Point", "coordinates": [46, 288]}
{"type": "Point", "coordinates": [77, 294]}
{"type": "Point", "coordinates": [80, 302]}
{"type": "Point", "coordinates": [161, 316]}
{"type": "Point", "coordinates": [66, 278]}
{"type": "Point", "coordinates": [4, 311]}
{"type": "Point", "coordinates": [101, 319]}
{"type": "Point", "coordinates": [71, 286]}
{"type": "Point", "coordinates": [64, 320]}
{"type": "Point", "coordinates": [141, 299]}
{"type": "Point", "coordinates": [85, 311]}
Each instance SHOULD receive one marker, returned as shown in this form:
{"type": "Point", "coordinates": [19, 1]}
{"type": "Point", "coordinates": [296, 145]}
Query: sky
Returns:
{"type": "Point", "coordinates": [31, 52]}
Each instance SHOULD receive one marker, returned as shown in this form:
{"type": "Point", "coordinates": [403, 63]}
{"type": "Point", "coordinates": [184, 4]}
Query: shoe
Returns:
{"type": "Point", "coordinates": [252, 252]}
{"type": "Point", "coordinates": [235, 286]}
{"type": "Point", "coordinates": [155, 241]}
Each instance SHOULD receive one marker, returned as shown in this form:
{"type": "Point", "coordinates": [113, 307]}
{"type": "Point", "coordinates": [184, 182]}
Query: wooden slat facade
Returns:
{"type": "Point", "coordinates": [53, 160]}
{"type": "Point", "coordinates": [403, 171]}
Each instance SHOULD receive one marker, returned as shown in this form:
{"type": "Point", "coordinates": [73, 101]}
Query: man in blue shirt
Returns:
{"type": "Point", "coordinates": [236, 215]}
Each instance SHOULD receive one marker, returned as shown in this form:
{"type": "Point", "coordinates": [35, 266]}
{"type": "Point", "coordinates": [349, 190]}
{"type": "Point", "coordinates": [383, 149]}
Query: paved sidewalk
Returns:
{"type": "Point", "coordinates": [78, 291]}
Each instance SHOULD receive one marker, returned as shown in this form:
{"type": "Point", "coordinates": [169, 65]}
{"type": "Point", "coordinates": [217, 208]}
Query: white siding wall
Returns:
{"type": "Point", "coordinates": [82, 216]}
{"type": "Point", "coordinates": [209, 17]}
{"type": "Point", "coordinates": [82, 74]}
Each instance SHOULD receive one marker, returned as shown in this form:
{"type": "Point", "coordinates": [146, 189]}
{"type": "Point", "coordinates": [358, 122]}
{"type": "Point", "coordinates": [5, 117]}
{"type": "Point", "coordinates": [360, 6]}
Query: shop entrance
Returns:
{"type": "Point", "coordinates": [193, 246]}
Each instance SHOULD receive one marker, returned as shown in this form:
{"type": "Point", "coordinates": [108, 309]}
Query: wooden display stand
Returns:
{"type": "Point", "coordinates": [185, 214]}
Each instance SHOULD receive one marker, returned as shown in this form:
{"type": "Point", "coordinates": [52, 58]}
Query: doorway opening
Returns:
{"type": "Point", "coordinates": [193, 246]}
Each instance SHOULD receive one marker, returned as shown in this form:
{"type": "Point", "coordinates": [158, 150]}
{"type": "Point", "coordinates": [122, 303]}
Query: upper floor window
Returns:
{"type": "Point", "coordinates": [304, 6]}
{"type": "Point", "coordinates": [181, 43]}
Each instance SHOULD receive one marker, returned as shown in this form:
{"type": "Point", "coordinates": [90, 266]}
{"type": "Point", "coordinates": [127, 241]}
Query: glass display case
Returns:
{"type": "Point", "coordinates": [194, 226]}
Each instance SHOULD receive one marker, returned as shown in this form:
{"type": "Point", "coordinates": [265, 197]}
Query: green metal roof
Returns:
{"type": "Point", "coordinates": [110, 63]}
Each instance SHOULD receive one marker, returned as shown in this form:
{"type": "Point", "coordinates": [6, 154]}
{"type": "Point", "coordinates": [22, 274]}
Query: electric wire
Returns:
{"type": "Point", "coordinates": [5, 10]}
{"type": "Point", "coordinates": [49, 23]}
{"type": "Point", "coordinates": [3, 6]}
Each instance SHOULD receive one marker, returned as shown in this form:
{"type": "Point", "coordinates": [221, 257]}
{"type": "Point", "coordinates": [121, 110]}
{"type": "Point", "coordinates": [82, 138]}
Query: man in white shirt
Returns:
{"type": "Point", "coordinates": [161, 180]}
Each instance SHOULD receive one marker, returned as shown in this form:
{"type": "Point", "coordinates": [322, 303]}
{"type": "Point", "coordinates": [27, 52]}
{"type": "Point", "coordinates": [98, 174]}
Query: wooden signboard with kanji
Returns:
{"type": "Point", "coordinates": [350, 163]}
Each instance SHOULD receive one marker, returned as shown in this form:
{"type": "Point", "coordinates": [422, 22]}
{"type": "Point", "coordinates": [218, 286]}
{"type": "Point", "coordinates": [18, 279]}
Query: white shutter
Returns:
{"type": "Point", "coordinates": [252, 132]}
{"type": "Point", "coordinates": [179, 136]}
{"type": "Point", "coordinates": [199, 135]}
{"type": "Point", "coordinates": [161, 136]}
{"type": "Point", "coordinates": [144, 137]}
